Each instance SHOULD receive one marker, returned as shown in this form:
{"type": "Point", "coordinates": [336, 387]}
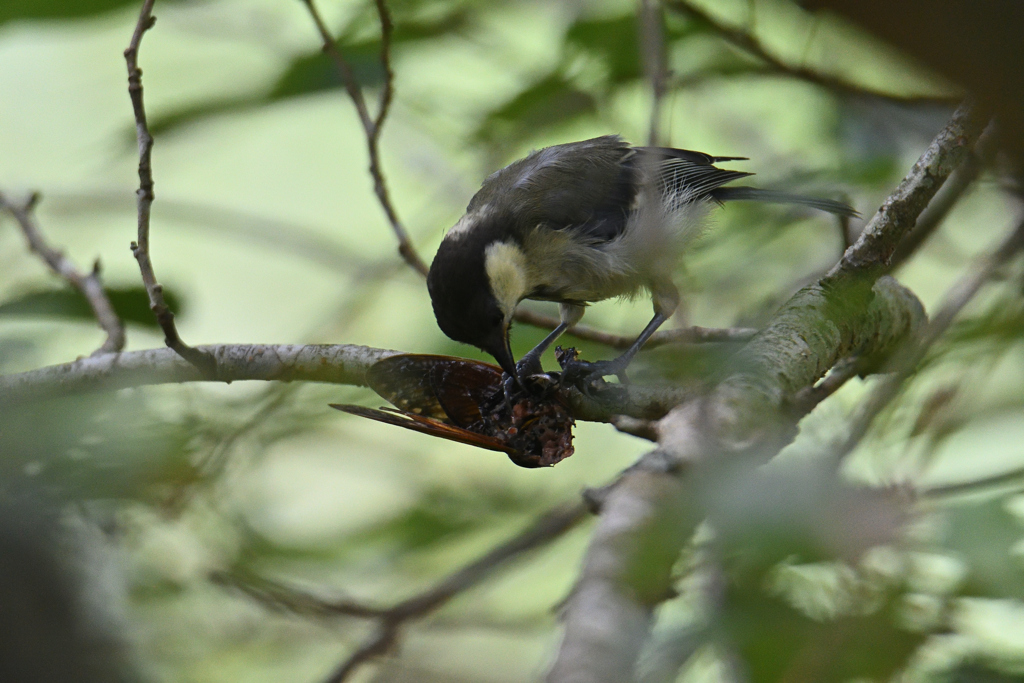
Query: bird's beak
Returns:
{"type": "Point", "coordinates": [502, 352]}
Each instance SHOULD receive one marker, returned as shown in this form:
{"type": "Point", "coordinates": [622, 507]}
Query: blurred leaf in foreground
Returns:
{"type": "Point", "coordinates": [11, 10]}
{"type": "Point", "coordinates": [131, 304]}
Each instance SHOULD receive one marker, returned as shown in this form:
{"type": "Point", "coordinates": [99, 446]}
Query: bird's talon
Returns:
{"type": "Point", "coordinates": [529, 365]}
{"type": "Point", "coordinates": [588, 376]}
{"type": "Point", "coordinates": [509, 387]}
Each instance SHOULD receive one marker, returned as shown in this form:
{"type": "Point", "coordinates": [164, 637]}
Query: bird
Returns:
{"type": "Point", "coordinates": [577, 223]}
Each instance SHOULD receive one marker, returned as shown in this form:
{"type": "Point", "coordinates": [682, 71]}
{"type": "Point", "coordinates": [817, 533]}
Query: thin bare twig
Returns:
{"type": "Point", "coordinates": [88, 284]}
{"type": "Point", "coordinates": [380, 643]}
{"type": "Point", "coordinates": [372, 125]}
{"type": "Point", "coordinates": [807, 398]}
{"type": "Point", "coordinates": [652, 49]}
{"type": "Point", "coordinates": [1015, 477]}
{"type": "Point", "coordinates": [904, 363]}
{"type": "Point", "coordinates": [145, 196]}
{"type": "Point", "coordinates": [682, 335]}
{"type": "Point", "coordinates": [752, 45]}
{"type": "Point", "coordinates": [278, 596]}
{"type": "Point", "coordinates": [390, 620]}
{"type": "Point", "coordinates": [336, 364]}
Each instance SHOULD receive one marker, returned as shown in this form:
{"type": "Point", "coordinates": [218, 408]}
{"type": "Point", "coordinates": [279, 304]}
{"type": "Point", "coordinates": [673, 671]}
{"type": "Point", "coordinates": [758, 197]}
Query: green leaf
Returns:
{"type": "Point", "coordinates": [984, 535]}
{"type": "Point", "coordinates": [443, 514]}
{"type": "Point", "coordinates": [94, 446]}
{"type": "Point", "coordinates": [11, 10]}
{"type": "Point", "coordinates": [316, 72]}
{"type": "Point", "coordinates": [776, 642]}
{"type": "Point", "coordinates": [615, 42]}
{"type": "Point", "coordinates": [546, 103]}
{"type": "Point", "coordinates": [160, 124]}
{"type": "Point", "coordinates": [131, 304]}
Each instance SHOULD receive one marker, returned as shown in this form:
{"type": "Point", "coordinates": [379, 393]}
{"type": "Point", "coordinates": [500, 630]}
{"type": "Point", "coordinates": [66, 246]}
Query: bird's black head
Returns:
{"type": "Point", "coordinates": [464, 304]}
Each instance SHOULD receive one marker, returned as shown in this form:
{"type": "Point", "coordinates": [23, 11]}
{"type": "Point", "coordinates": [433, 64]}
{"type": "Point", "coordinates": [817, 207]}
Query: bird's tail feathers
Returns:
{"type": "Point", "coordinates": [727, 194]}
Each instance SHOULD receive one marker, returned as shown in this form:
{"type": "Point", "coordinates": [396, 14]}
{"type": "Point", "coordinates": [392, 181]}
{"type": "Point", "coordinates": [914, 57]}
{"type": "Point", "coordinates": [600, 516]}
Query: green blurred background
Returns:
{"type": "Point", "coordinates": [266, 230]}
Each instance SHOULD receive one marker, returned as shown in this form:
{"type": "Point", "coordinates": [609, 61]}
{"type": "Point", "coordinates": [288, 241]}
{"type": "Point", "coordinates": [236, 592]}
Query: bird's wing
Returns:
{"type": "Point", "coordinates": [687, 154]}
{"type": "Point", "coordinates": [688, 175]}
{"type": "Point", "coordinates": [584, 184]}
{"type": "Point", "coordinates": [682, 174]}
{"type": "Point", "coordinates": [686, 181]}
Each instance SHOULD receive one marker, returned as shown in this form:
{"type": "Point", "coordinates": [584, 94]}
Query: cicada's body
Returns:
{"type": "Point", "coordinates": [463, 400]}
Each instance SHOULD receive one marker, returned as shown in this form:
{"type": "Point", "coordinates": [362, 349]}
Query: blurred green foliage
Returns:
{"type": "Point", "coordinates": [13, 10]}
{"type": "Point", "coordinates": [130, 303]}
{"type": "Point", "coordinates": [907, 564]}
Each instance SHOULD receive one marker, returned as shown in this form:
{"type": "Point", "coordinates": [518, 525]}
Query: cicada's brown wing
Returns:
{"type": "Point", "coordinates": [465, 388]}
{"type": "Point", "coordinates": [404, 381]}
{"type": "Point", "coordinates": [426, 425]}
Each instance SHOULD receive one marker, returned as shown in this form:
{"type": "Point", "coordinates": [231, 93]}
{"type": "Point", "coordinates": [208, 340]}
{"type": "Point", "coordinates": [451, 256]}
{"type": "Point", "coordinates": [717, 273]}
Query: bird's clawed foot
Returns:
{"type": "Point", "coordinates": [588, 376]}
{"type": "Point", "coordinates": [530, 377]}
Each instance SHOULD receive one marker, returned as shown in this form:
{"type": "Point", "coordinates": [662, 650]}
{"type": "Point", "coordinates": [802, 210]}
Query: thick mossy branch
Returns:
{"type": "Point", "coordinates": [647, 518]}
{"type": "Point", "coordinates": [746, 419]}
{"type": "Point", "coordinates": [815, 329]}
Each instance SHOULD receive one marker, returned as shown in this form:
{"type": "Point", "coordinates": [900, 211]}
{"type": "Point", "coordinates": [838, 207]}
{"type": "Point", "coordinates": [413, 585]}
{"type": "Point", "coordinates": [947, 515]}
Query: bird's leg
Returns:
{"type": "Point", "coordinates": [584, 373]}
{"type": "Point", "coordinates": [529, 364]}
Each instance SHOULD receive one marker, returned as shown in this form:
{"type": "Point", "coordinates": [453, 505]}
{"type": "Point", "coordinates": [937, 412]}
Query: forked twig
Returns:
{"type": "Point", "coordinates": [372, 125]}
{"type": "Point", "coordinates": [372, 129]}
{"type": "Point", "coordinates": [390, 620]}
{"type": "Point", "coordinates": [88, 284]}
{"type": "Point", "coordinates": [165, 317]}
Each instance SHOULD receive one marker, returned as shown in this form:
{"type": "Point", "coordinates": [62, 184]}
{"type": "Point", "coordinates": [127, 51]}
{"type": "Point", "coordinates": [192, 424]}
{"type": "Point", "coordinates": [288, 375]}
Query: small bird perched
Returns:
{"type": "Point", "coordinates": [578, 223]}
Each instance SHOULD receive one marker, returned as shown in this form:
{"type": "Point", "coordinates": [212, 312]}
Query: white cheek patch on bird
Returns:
{"type": "Point", "coordinates": [464, 401]}
{"type": "Point", "coordinates": [506, 268]}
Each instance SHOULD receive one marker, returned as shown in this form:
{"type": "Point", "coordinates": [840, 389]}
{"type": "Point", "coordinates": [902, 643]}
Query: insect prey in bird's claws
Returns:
{"type": "Point", "coordinates": [465, 401]}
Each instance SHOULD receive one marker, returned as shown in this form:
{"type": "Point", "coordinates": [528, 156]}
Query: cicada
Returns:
{"type": "Point", "coordinates": [464, 400]}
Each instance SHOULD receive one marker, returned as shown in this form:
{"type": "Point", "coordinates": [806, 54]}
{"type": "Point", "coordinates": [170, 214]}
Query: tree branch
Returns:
{"type": "Point", "coordinates": [652, 49]}
{"type": "Point", "coordinates": [946, 198]}
{"type": "Point", "coordinates": [897, 216]}
{"type": "Point", "coordinates": [333, 364]}
{"type": "Point", "coordinates": [341, 364]}
{"type": "Point", "coordinates": [372, 126]}
{"type": "Point", "coordinates": [548, 527]}
{"type": "Point", "coordinates": [752, 45]}
{"type": "Point", "coordinates": [746, 419]}
{"type": "Point", "coordinates": [145, 197]}
{"type": "Point", "coordinates": [280, 597]}
{"type": "Point", "coordinates": [904, 363]}
{"type": "Point", "coordinates": [681, 335]}
{"type": "Point", "coordinates": [89, 285]}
